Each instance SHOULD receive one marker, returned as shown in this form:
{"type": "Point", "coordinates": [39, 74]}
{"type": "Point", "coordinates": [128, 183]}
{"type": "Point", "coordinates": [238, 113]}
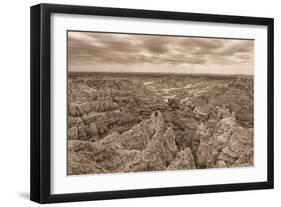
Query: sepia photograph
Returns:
{"type": "Point", "coordinates": [146, 102]}
{"type": "Point", "coordinates": [132, 103]}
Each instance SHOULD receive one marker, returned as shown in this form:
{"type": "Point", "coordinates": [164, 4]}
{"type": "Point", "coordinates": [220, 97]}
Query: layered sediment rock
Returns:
{"type": "Point", "coordinates": [148, 124]}
{"type": "Point", "coordinates": [230, 145]}
{"type": "Point", "coordinates": [184, 160]}
{"type": "Point", "coordinates": [149, 145]}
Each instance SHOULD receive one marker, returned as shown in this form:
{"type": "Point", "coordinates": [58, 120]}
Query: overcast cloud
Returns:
{"type": "Point", "coordinates": [147, 53]}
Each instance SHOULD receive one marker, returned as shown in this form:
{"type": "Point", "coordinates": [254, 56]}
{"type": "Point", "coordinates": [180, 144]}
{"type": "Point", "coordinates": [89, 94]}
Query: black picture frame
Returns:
{"type": "Point", "coordinates": [41, 99]}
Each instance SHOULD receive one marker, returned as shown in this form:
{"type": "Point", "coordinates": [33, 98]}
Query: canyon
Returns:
{"type": "Point", "coordinates": [152, 122]}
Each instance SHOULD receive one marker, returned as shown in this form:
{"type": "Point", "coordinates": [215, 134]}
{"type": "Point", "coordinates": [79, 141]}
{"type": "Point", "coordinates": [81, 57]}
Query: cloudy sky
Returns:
{"type": "Point", "coordinates": [90, 51]}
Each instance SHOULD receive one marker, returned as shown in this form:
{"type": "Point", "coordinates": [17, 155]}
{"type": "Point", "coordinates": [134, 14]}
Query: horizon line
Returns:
{"type": "Point", "coordinates": [159, 73]}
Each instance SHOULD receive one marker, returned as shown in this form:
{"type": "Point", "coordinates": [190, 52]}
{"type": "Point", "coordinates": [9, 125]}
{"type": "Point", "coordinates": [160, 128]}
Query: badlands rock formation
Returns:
{"type": "Point", "coordinates": [148, 146]}
{"type": "Point", "coordinates": [119, 123]}
{"type": "Point", "coordinates": [227, 145]}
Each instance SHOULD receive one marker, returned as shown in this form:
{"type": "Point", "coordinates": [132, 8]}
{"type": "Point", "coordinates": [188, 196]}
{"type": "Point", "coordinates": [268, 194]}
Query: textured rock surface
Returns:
{"type": "Point", "coordinates": [230, 145]}
{"type": "Point", "coordinates": [183, 160]}
{"type": "Point", "coordinates": [119, 123]}
{"type": "Point", "coordinates": [149, 145]}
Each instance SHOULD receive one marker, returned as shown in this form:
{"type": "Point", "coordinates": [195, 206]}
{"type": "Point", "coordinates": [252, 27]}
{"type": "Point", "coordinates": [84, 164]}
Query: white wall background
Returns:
{"type": "Point", "coordinates": [14, 104]}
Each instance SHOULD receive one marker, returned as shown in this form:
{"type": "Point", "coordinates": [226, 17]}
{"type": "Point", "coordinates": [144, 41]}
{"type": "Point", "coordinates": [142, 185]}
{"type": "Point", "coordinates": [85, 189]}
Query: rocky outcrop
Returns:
{"type": "Point", "coordinates": [104, 104]}
{"type": "Point", "coordinates": [120, 123]}
{"type": "Point", "coordinates": [230, 145]}
{"type": "Point", "coordinates": [160, 150]}
{"type": "Point", "coordinates": [184, 160]}
{"type": "Point", "coordinates": [149, 145]}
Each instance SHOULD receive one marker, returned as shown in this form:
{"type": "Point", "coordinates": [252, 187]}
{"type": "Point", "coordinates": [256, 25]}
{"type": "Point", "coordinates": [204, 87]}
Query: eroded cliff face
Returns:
{"type": "Point", "coordinates": [151, 146]}
{"type": "Point", "coordinates": [157, 124]}
{"type": "Point", "coordinates": [227, 145]}
{"type": "Point", "coordinates": [148, 146]}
